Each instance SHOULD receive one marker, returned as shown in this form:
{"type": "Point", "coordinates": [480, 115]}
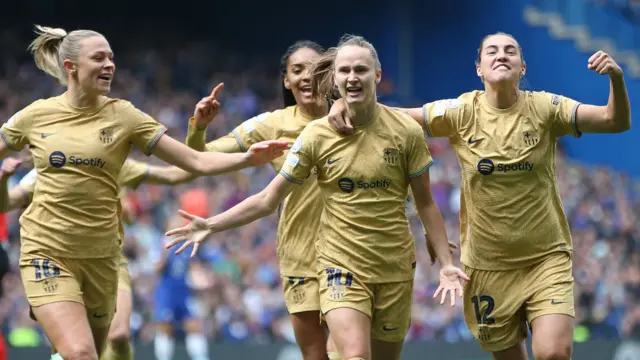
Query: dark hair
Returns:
{"type": "Point", "coordinates": [494, 34]}
{"type": "Point", "coordinates": [287, 95]}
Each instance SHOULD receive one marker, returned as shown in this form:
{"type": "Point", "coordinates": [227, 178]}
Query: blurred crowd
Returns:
{"type": "Point", "coordinates": [629, 8]}
{"type": "Point", "coordinates": [238, 291]}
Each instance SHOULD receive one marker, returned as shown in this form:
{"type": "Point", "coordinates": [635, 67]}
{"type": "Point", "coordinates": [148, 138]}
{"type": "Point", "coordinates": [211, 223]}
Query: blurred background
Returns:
{"type": "Point", "coordinates": [169, 55]}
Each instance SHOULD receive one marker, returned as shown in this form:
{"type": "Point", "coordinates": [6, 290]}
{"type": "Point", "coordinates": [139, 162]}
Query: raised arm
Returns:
{"type": "Point", "coordinates": [615, 117]}
{"type": "Point", "coordinates": [253, 208]}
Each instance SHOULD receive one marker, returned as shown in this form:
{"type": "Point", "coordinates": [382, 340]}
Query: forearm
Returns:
{"type": "Point", "coordinates": [618, 107]}
{"type": "Point", "coordinates": [249, 210]}
{"type": "Point", "coordinates": [436, 232]}
{"type": "Point", "coordinates": [215, 163]}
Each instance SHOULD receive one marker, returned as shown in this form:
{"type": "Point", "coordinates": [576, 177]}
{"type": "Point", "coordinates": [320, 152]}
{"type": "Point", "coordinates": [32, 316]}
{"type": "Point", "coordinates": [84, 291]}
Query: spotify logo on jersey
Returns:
{"type": "Point", "coordinates": [346, 185]}
{"type": "Point", "coordinates": [57, 159]}
{"type": "Point", "coordinates": [485, 167]}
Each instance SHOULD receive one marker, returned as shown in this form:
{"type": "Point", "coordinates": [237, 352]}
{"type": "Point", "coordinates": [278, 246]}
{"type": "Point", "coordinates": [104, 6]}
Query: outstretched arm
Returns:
{"type": "Point", "coordinates": [253, 208]}
{"type": "Point", "coordinates": [167, 175]}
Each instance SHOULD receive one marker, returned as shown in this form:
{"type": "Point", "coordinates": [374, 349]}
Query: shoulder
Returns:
{"type": "Point", "coordinates": [401, 121]}
{"type": "Point", "coordinates": [40, 106]}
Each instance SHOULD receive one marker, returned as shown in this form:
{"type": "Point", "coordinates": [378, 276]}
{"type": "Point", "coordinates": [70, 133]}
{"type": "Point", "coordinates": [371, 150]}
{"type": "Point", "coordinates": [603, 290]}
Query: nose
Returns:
{"type": "Point", "coordinates": [109, 63]}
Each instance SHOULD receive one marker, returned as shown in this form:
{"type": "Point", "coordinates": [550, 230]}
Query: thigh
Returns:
{"type": "Point", "coordinates": [49, 279]}
{"type": "Point", "coordinates": [551, 284]}
{"type": "Point", "coordinates": [124, 278]}
{"type": "Point", "coordinates": [351, 332]}
{"type": "Point", "coordinates": [493, 302]}
{"type": "Point", "coordinates": [66, 326]}
{"type": "Point", "coordinates": [122, 319]}
{"type": "Point", "coordinates": [310, 335]}
{"type": "Point", "coordinates": [100, 290]}
{"type": "Point", "coordinates": [301, 294]}
{"type": "Point", "coordinates": [391, 318]}
{"type": "Point", "coordinates": [552, 336]}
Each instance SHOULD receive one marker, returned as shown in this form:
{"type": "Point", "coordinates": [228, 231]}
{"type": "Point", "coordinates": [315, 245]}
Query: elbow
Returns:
{"type": "Point", "coordinates": [268, 203]}
{"type": "Point", "coordinates": [619, 124]}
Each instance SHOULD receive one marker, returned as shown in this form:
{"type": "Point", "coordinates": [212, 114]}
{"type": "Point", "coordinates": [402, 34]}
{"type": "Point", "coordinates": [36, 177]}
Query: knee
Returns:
{"type": "Point", "coordinates": [119, 337]}
{"type": "Point", "coordinates": [553, 351]}
{"type": "Point", "coordinates": [79, 353]}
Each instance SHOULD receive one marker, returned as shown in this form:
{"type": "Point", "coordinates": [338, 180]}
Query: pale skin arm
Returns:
{"type": "Point", "coordinates": [615, 117]}
{"type": "Point", "coordinates": [434, 226]}
{"type": "Point", "coordinates": [14, 198]}
{"type": "Point", "coordinates": [340, 121]}
{"type": "Point", "coordinates": [251, 209]}
{"type": "Point", "coordinates": [167, 175]}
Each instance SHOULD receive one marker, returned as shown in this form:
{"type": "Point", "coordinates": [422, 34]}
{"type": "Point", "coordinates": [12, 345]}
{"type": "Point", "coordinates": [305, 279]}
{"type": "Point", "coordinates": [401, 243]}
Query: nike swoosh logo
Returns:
{"type": "Point", "coordinates": [385, 328]}
{"type": "Point", "coordinates": [553, 302]}
{"type": "Point", "coordinates": [44, 136]}
{"type": "Point", "coordinates": [329, 162]}
{"type": "Point", "coordinates": [473, 141]}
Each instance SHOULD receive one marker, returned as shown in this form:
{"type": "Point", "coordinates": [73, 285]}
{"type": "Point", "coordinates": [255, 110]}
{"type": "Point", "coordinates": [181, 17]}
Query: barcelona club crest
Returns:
{"type": "Point", "coordinates": [391, 156]}
{"type": "Point", "coordinates": [106, 135]}
{"type": "Point", "coordinates": [530, 138]}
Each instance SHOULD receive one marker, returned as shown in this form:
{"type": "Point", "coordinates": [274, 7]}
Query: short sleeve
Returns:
{"type": "Point", "coordinates": [299, 162]}
{"type": "Point", "coordinates": [28, 183]}
{"type": "Point", "coordinates": [563, 114]}
{"type": "Point", "coordinates": [441, 118]}
{"type": "Point", "coordinates": [145, 131]}
{"type": "Point", "coordinates": [254, 130]}
{"type": "Point", "coordinates": [132, 173]}
{"type": "Point", "coordinates": [14, 131]}
{"type": "Point", "coordinates": [418, 156]}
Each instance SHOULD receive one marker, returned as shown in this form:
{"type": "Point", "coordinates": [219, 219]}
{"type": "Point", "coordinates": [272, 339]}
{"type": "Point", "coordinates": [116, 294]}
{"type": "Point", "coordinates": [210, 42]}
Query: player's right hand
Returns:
{"type": "Point", "coordinates": [339, 118]}
{"type": "Point", "coordinates": [9, 166]}
{"type": "Point", "coordinates": [195, 232]}
{"type": "Point", "coordinates": [207, 109]}
{"type": "Point", "coordinates": [266, 151]}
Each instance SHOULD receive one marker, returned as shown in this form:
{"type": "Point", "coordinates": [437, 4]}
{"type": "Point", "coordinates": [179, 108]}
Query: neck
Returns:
{"type": "Point", "coordinates": [500, 96]}
{"type": "Point", "coordinates": [362, 113]}
{"type": "Point", "coordinates": [79, 98]}
{"type": "Point", "coordinates": [316, 110]}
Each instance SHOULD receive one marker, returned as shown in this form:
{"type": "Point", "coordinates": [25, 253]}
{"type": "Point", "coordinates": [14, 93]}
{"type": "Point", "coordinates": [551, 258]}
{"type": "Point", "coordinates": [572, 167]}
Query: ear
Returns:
{"type": "Point", "coordinates": [287, 83]}
{"type": "Point", "coordinates": [523, 72]}
{"type": "Point", "coordinates": [69, 66]}
{"type": "Point", "coordinates": [479, 71]}
{"type": "Point", "coordinates": [378, 76]}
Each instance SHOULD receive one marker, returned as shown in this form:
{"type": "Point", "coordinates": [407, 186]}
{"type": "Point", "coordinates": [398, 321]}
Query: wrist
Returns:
{"type": "Point", "coordinates": [196, 125]}
{"type": "Point", "coordinates": [617, 76]}
{"type": "Point", "coordinates": [211, 224]}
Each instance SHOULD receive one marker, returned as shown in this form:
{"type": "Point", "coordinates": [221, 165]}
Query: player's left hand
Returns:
{"type": "Point", "coordinates": [450, 284]}
{"type": "Point", "coordinates": [266, 151]}
{"type": "Point", "coordinates": [604, 64]}
{"type": "Point", "coordinates": [193, 233]}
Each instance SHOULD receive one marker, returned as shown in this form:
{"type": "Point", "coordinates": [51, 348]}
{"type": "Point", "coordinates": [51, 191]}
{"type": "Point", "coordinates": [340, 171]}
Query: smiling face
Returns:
{"type": "Point", "coordinates": [500, 60]}
{"type": "Point", "coordinates": [298, 76]}
{"type": "Point", "coordinates": [356, 75]}
{"type": "Point", "coordinates": [94, 67]}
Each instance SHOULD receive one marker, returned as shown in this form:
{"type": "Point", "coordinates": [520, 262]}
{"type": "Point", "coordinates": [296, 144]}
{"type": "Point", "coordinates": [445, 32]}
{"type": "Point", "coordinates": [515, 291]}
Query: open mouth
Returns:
{"type": "Point", "coordinates": [105, 77]}
{"type": "Point", "coordinates": [306, 90]}
{"type": "Point", "coordinates": [354, 90]}
{"type": "Point", "coordinates": [502, 66]}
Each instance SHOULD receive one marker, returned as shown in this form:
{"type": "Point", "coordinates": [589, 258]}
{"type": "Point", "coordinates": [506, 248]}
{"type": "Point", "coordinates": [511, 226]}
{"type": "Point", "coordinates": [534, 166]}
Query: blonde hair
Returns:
{"type": "Point", "coordinates": [54, 45]}
{"type": "Point", "coordinates": [323, 69]}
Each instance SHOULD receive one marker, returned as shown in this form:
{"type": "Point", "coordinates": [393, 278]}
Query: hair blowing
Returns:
{"type": "Point", "coordinates": [287, 95]}
{"type": "Point", "coordinates": [322, 73]}
{"type": "Point", "coordinates": [54, 45]}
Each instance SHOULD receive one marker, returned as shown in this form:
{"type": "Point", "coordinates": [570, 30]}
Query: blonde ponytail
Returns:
{"type": "Point", "coordinates": [46, 51]}
{"type": "Point", "coordinates": [322, 73]}
{"type": "Point", "coordinates": [53, 46]}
